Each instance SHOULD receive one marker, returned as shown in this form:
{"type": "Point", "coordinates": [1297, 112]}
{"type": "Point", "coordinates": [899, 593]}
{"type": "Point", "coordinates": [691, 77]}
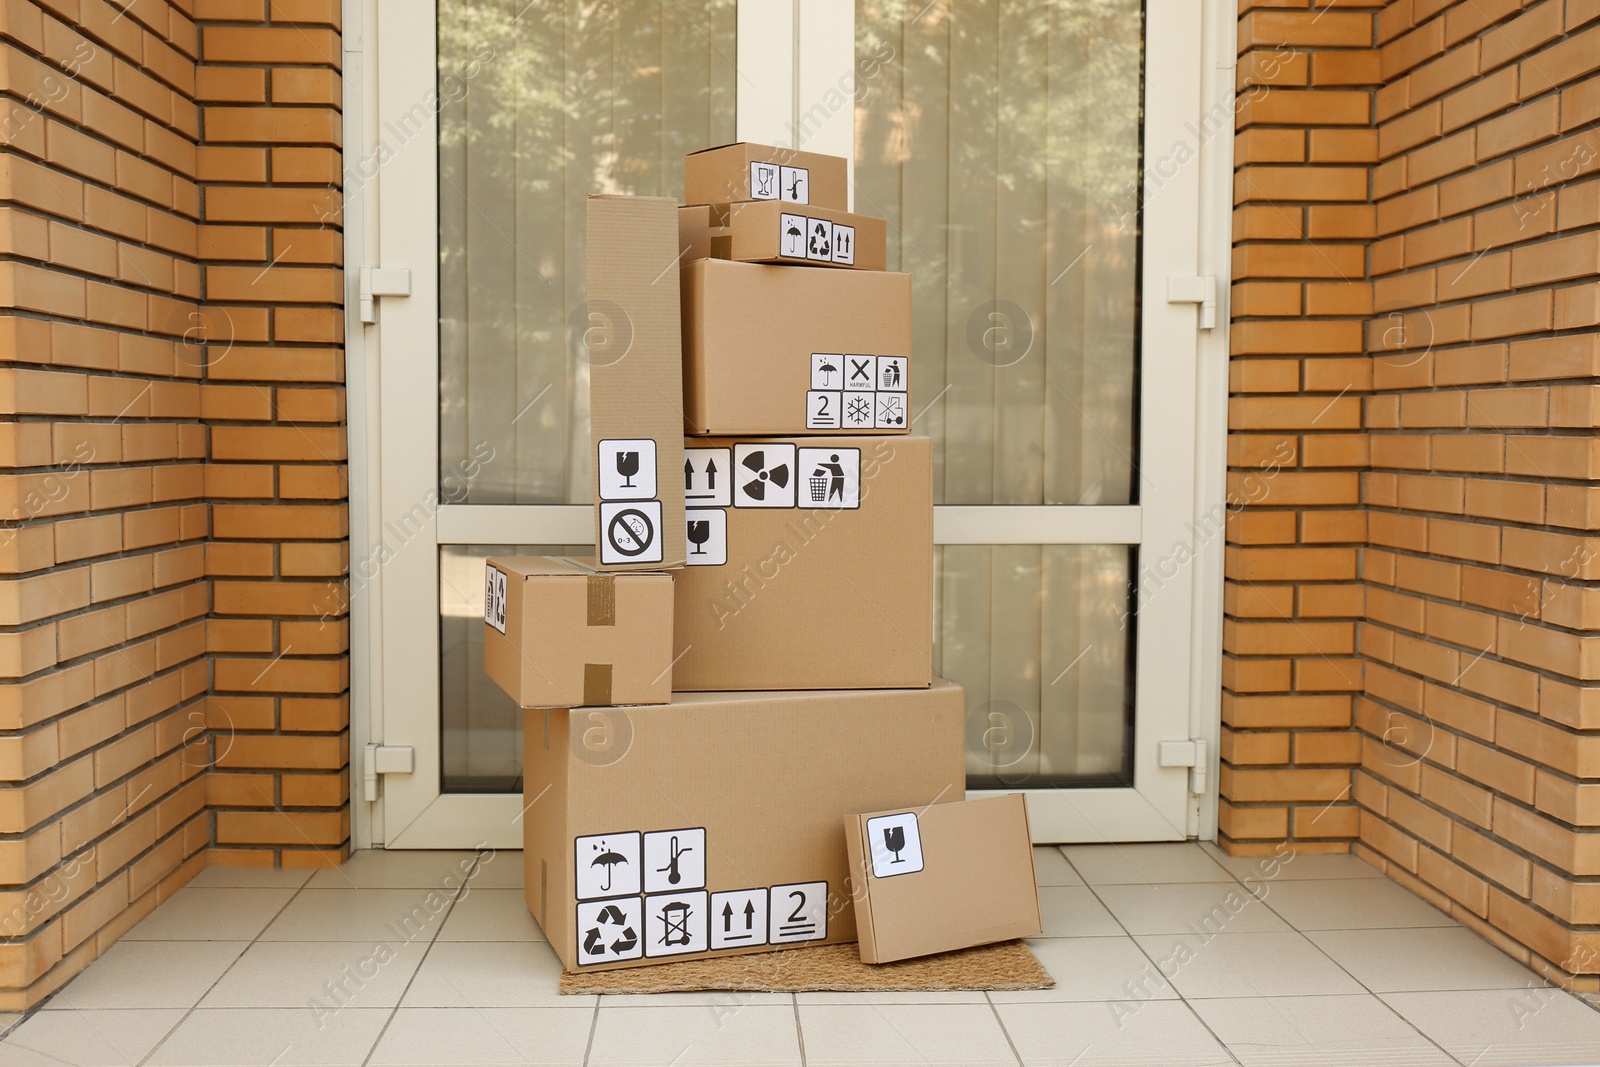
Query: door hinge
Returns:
{"type": "Point", "coordinates": [1190, 754]}
{"type": "Point", "coordinates": [380, 281]}
{"type": "Point", "coordinates": [1195, 289]}
{"type": "Point", "coordinates": [384, 759]}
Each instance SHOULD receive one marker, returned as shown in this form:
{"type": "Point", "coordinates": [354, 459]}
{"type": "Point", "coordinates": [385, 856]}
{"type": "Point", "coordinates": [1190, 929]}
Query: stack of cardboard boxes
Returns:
{"type": "Point", "coordinates": [748, 662]}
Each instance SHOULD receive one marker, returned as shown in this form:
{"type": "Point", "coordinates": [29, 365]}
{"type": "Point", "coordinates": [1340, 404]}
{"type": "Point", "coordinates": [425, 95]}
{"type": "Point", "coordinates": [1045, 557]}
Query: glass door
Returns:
{"type": "Point", "coordinates": [1004, 144]}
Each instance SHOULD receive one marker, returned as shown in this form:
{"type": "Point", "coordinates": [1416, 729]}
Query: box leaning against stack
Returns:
{"type": "Point", "coordinates": [788, 686]}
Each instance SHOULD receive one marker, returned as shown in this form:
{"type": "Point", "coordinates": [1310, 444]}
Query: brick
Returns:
{"type": "Point", "coordinates": [309, 45]}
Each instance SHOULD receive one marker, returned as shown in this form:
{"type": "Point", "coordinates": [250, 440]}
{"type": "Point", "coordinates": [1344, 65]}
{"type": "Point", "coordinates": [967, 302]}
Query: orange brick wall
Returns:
{"type": "Point", "coordinates": [1296, 450]}
{"type": "Point", "coordinates": [103, 602]}
{"type": "Point", "coordinates": [273, 399]}
{"type": "Point", "coordinates": [1471, 442]}
{"type": "Point", "coordinates": [1480, 784]}
{"type": "Point", "coordinates": [169, 374]}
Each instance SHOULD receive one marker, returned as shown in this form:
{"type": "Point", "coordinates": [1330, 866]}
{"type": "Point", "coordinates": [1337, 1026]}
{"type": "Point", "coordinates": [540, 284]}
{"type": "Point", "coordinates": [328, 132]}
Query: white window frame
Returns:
{"type": "Point", "coordinates": [1179, 662]}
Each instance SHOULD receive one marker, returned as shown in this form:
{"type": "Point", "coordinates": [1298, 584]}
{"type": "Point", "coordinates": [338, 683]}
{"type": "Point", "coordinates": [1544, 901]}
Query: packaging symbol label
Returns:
{"type": "Point", "coordinates": [830, 477]}
{"type": "Point", "coordinates": [607, 865]}
{"type": "Point", "coordinates": [675, 860]}
{"type": "Point", "coordinates": [739, 918]}
{"type": "Point", "coordinates": [860, 373]}
{"type": "Point", "coordinates": [764, 475]}
{"type": "Point", "coordinates": [795, 185]}
{"type": "Point", "coordinates": [707, 531]}
{"type": "Point", "coordinates": [824, 409]}
{"type": "Point", "coordinates": [627, 469]}
{"type": "Point", "coordinates": [844, 243]}
{"type": "Point", "coordinates": [764, 181]}
{"type": "Point", "coordinates": [494, 598]}
{"type": "Point", "coordinates": [676, 924]}
{"type": "Point", "coordinates": [896, 844]}
{"type": "Point", "coordinates": [630, 532]}
{"type": "Point", "coordinates": [610, 930]}
{"type": "Point", "coordinates": [708, 476]}
{"type": "Point", "coordinates": [798, 913]}
{"type": "Point", "coordinates": [792, 236]}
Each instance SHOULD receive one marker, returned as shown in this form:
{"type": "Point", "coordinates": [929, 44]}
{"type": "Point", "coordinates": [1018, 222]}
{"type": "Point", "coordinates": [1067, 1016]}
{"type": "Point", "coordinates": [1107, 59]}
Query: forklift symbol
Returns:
{"type": "Point", "coordinates": [675, 919]}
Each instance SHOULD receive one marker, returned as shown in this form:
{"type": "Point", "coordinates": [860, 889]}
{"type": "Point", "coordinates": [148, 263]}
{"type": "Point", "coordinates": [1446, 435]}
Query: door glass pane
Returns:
{"type": "Point", "coordinates": [1002, 143]}
{"type": "Point", "coordinates": [481, 726]}
{"type": "Point", "coordinates": [541, 105]}
{"type": "Point", "coordinates": [1041, 637]}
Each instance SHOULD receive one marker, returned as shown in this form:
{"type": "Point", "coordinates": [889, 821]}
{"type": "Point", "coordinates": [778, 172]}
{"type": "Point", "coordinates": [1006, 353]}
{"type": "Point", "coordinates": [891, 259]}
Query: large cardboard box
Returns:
{"type": "Point", "coordinates": [769, 231]}
{"type": "Point", "coordinates": [712, 825]}
{"type": "Point", "coordinates": [635, 352]}
{"type": "Point", "coordinates": [811, 564]}
{"type": "Point", "coordinates": [788, 350]}
{"type": "Point", "coordinates": [557, 632]}
{"type": "Point", "coordinates": [936, 879]}
{"type": "Point", "coordinates": [747, 171]}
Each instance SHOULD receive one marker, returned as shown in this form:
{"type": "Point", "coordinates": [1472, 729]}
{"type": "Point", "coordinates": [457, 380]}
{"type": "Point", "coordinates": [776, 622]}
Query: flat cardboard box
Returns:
{"type": "Point", "coordinates": [943, 878]}
{"type": "Point", "coordinates": [711, 825]}
{"type": "Point", "coordinates": [747, 171]}
{"type": "Point", "coordinates": [812, 564]}
{"type": "Point", "coordinates": [635, 352]}
{"type": "Point", "coordinates": [557, 632]}
{"type": "Point", "coordinates": [791, 350]}
{"type": "Point", "coordinates": [769, 231]}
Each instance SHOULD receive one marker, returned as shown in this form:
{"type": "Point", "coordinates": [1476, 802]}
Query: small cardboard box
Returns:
{"type": "Point", "coordinates": [941, 878]}
{"type": "Point", "coordinates": [790, 350]}
{"type": "Point", "coordinates": [634, 343]}
{"type": "Point", "coordinates": [710, 826]}
{"type": "Point", "coordinates": [769, 231]}
{"type": "Point", "coordinates": [558, 633]}
{"type": "Point", "coordinates": [747, 171]}
{"type": "Point", "coordinates": [811, 564]}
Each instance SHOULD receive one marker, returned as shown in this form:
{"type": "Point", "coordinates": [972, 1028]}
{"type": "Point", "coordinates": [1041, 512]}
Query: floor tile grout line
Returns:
{"type": "Point", "coordinates": [234, 963]}
{"type": "Point", "coordinates": [1000, 1022]}
{"type": "Point", "coordinates": [428, 951]}
{"type": "Point", "coordinates": [799, 1030]}
{"type": "Point", "coordinates": [594, 1024]}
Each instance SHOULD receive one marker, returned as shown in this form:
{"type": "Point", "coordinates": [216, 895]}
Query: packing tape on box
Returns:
{"type": "Point", "coordinates": [596, 685]}
{"type": "Point", "coordinates": [602, 603]}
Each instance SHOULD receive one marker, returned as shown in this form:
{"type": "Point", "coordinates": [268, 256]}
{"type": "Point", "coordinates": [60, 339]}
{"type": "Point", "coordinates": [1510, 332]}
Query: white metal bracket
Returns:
{"type": "Point", "coordinates": [384, 759]}
{"type": "Point", "coordinates": [380, 281]}
{"type": "Point", "coordinates": [1190, 754]}
{"type": "Point", "coordinates": [1195, 289]}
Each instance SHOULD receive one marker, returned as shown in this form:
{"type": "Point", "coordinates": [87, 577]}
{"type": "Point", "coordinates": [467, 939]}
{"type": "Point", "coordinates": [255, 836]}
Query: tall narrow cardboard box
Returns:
{"type": "Point", "coordinates": [635, 353]}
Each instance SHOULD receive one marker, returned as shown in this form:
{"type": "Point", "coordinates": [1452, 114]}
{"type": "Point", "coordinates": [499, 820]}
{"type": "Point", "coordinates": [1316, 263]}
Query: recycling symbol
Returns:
{"type": "Point", "coordinates": [595, 939]}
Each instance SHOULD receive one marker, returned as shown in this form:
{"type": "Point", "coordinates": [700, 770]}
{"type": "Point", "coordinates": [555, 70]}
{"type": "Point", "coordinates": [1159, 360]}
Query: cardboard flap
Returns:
{"type": "Point", "coordinates": [942, 878]}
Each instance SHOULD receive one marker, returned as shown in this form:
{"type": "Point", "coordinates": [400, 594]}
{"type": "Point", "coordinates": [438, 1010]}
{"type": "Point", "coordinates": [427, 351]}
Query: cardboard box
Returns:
{"type": "Point", "coordinates": [711, 825]}
{"type": "Point", "coordinates": [635, 353]}
{"type": "Point", "coordinates": [747, 171]}
{"type": "Point", "coordinates": [769, 231]}
{"type": "Point", "coordinates": [790, 350]}
{"type": "Point", "coordinates": [558, 633]}
{"type": "Point", "coordinates": [941, 878]}
{"type": "Point", "coordinates": [785, 592]}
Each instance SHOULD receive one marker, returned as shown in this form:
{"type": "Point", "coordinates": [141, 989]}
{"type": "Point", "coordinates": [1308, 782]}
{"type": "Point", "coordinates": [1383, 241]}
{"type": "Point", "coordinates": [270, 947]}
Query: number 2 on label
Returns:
{"type": "Point", "coordinates": [797, 915]}
{"type": "Point", "coordinates": [822, 408]}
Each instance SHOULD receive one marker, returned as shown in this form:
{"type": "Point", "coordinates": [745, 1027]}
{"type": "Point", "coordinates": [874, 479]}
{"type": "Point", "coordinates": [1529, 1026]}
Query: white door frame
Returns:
{"type": "Point", "coordinates": [1179, 645]}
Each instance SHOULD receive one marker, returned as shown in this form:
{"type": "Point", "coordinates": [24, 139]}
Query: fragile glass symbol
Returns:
{"type": "Point", "coordinates": [894, 839]}
{"type": "Point", "coordinates": [627, 466]}
{"type": "Point", "coordinates": [699, 534]}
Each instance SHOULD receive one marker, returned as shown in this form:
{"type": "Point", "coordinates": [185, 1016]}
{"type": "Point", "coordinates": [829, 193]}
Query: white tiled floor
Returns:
{"type": "Point", "coordinates": [1163, 954]}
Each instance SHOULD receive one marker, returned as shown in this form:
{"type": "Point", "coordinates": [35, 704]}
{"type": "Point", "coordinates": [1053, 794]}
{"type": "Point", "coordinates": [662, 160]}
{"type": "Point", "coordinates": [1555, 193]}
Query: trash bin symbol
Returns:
{"type": "Point", "coordinates": [675, 917]}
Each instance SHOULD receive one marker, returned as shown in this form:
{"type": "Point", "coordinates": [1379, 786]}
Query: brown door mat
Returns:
{"type": "Point", "coordinates": [1008, 965]}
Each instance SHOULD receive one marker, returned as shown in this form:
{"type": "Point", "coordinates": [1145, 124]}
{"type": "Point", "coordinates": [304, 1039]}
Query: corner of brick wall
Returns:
{"type": "Point", "coordinates": [102, 516]}
{"type": "Point", "coordinates": [1298, 370]}
{"type": "Point", "coordinates": [1480, 780]}
{"type": "Point", "coordinates": [270, 167]}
